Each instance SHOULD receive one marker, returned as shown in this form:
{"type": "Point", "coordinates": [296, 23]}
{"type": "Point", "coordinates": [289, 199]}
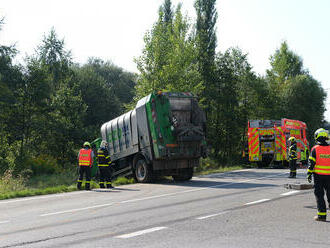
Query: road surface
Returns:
{"type": "Point", "coordinates": [247, 208]}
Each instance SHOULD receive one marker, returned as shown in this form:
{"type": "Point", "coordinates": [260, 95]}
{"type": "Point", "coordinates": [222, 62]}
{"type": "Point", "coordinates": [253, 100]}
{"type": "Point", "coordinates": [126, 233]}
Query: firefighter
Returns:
{"type": "Point", "coordinates": [319, 167]}
{"type": "Point", "coordinates": [85, 159]}
{"type": "Point", "coordinates": [104, 162]}
{"type": "Point", "coordinates": [293, 157]}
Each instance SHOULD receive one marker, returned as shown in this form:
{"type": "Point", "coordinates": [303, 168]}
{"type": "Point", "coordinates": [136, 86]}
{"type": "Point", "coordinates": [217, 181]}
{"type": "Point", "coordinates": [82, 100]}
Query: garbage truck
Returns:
{"type": "Point", "coordinates": [164, 135]}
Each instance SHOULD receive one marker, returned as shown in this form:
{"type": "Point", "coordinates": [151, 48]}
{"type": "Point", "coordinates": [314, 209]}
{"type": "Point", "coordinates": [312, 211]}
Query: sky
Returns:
{"type": "Point", "coordinates": [114, 29]}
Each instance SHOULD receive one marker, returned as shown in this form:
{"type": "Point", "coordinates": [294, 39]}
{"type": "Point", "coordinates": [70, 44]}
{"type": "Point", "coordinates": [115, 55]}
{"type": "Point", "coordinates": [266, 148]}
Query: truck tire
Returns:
{"type": "Point", "coordinates": [184, 175]}
{"type": "Point", "coordinates": [143, 171]}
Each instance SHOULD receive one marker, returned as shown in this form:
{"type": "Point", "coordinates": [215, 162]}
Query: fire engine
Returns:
{"type": "Point", "coordinates": [268, 141]}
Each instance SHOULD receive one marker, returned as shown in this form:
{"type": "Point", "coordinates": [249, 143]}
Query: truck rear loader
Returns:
{"type": "Point", "coordinates": [163, 135]}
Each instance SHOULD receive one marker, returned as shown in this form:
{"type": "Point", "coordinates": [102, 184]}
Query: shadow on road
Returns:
{"type": "Point", "coordinates": [239, 179]}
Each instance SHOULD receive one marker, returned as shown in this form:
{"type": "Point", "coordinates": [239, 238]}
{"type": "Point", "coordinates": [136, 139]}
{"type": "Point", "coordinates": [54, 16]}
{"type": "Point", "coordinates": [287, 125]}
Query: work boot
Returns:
{"type": "Point", "coordinates": [294, 174]}
{"type": "Point", "coordinates": [319, 218]}
{"type": "Point", "coordinates": [109, 186]}
{"type": "Point", "coordinates": [102, 185]}
{"type": "Point", "coordinates": [290, 176]}
{"type": "Point", "coordinates": [79, 185]}
{"type": "Point", "coordinates": [87, 186]}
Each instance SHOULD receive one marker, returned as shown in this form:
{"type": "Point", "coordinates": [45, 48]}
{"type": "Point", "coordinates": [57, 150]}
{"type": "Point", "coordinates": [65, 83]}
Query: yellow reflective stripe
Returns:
{"type": "Point", "coordinates": [107, 157]}
{"type": "Point", "coordinates": [312, 158]}
{"type": "Point", "coordinates": [79, 181]}
{"type": "Point", "coordinates": [322, 213]}
{"type": "Point", "coordinates": [100, 155]}
{"type": "Point", "coordinates": [103, 165]}
{"type": "Point", "coordinates": [322, 166]}
{"type": "Point", "coordinates": [102, 182]}
{"type": "Point", "coordinates": [108, 182]}
{"type": "Point", "coordinates": [87, 181]}
{"type": "Point", "coordinates": [311, 171]}
{"type": "Point", "coordinates": [322, 172]}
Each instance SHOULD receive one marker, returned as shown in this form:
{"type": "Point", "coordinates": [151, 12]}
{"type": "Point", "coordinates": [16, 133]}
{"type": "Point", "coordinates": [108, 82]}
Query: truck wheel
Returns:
{"type": "Point", "coordinates": [143, 172]}
{"type": "Point", "coordinates": [185, 175]}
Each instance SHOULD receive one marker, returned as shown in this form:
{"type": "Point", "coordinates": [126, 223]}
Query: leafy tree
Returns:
{"type": "Point", "coordinates": [169, 59]}
{"type": "Point", "coordinates": [294, 93]}
{"type": "Point", "coordinates": [52, 54]}
{"type": "Point", "coordinates": [206, 44]}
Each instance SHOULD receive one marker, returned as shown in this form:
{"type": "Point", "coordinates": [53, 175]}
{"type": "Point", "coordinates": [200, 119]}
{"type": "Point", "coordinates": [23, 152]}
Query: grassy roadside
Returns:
{"type": "Point", "coordinates": [13, 187]}
{"type": "Point", "coordinates": [219, 170]}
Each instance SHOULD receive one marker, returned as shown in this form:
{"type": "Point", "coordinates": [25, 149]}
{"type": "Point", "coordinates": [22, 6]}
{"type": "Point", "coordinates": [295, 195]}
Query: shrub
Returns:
{"type": "Point", "coordinates": [43, 164]}
{"type": "Point", "coordinates": [10, 183]}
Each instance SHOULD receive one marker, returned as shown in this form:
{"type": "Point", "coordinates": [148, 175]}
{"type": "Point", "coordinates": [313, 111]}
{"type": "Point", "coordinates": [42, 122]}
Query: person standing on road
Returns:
{"type": "Point", "coordinates": [104, 162]}
{"type": "Point", "coordinates": [319, 167]}
{"type": "Point", "coordinates": [293, 157]}
{"type": "Point", "coordinates": [85, 160]}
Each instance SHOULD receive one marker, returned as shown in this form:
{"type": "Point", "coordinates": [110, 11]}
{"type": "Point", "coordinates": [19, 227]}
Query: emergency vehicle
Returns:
{"type": "Point", "coordinates": [268, 141]}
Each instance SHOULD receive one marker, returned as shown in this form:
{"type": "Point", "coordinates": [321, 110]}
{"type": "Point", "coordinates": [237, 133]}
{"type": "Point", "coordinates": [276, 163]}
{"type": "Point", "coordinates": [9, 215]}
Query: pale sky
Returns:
{"type": "Point", "coordinates": [114, 29]}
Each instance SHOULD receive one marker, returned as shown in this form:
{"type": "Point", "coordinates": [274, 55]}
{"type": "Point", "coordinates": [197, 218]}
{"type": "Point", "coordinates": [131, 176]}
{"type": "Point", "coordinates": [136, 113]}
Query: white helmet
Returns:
{"type": "Point", "coordinates": [104, 144]}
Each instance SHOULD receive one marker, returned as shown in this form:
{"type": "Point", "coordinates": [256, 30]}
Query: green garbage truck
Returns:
{"type": "Point", "coordinates": [164, 135]}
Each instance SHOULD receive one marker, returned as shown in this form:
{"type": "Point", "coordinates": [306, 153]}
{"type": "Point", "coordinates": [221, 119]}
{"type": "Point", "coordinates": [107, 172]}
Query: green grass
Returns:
{"type": "Point", "coordinates": [13, 187]}
{"type": "Point", "coordinates": [219, 170]}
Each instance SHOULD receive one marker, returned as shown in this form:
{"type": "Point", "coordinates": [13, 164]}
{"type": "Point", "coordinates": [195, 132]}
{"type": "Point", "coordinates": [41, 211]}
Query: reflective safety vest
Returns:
{"type": "Point", "coordinates": [322, 163]}
{"type": "Point", "coordinates": [85, 157]}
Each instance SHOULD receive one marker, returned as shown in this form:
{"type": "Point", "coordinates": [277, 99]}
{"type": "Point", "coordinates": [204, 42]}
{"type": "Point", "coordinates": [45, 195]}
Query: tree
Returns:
{"type": "Point", "coordinates": [169, 59]}
{"type": "Point", "coordinates": [294, 93]}
{"type": "Point", "coordinates": [206, 44]}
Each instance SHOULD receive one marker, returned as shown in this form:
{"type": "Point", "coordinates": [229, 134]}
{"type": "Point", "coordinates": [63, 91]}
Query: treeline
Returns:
{"type": "Point", "coordinates": [50, 105]}
{"type": "Point", "coordinates": [180, 55]}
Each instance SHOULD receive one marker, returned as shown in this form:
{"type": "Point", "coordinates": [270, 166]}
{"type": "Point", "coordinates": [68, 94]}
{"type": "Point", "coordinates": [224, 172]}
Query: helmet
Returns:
{"type": "Point", "coordinates": [104, 144]}
{"type": "Point", "coordinates": [87, 144]}
{"type": "Point", "coordinates": [292, 139]}
{"type": "Point", "coordinates": [321, 134]}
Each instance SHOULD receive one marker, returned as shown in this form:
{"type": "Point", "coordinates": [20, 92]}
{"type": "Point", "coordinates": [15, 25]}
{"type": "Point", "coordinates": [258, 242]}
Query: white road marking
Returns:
{"type": "Point", "coordinates": [138, 233]}
{"type": "Point", "coordinates": [77, 209]}
{"type": "Point", "coordinates": [255, 202]}
{"type": "Point", "coordinates": [3, 222]}
{"type": "Point", "coordinates": [43, 197]}
{"type": "Point", "coordinates": [211, 215]}
{"type": "Point", "coordinates": [290, 193]}
{"type": "Point", "coordinates": [159, 196]}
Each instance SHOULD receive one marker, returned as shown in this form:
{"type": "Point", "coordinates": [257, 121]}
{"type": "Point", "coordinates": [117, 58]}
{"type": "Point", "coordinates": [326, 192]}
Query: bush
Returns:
{"type": "Point", "coordinates": [43, 164]}
{"type": "Point", "coordinates": [10, 183]}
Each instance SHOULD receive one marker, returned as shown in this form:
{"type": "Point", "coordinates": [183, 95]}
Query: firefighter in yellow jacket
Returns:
{"type": "Point", "coordinates": [85, 160]}
{"type": "Point", "coordinates": [319, 167]}
{"type": "Point", "coordinates": [293, 157]}
{"type": "Point", "coordinates": [104, 162]}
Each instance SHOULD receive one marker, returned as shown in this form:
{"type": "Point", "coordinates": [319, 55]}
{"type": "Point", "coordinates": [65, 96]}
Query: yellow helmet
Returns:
{"type": "Point", "coordinates": [321, 134]}
{"type": "Point", "coordinates": [292, 139]}
{"type": "Point", "coordinates": [87, 144]}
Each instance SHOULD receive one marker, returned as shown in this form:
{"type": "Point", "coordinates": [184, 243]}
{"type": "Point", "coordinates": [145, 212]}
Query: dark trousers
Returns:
{"type": "Point", "coordinates": [293, 167]}
{"type": "Point", "coordinates": [105, 176]}
{"type": "Point", "coordinates": [87, 171]}
{"type": "Point", "coordinates": [321, 185]}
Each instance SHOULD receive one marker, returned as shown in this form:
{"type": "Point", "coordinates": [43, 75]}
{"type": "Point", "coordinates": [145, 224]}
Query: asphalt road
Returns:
{"type": "Point", "coordinates": [248, 208]}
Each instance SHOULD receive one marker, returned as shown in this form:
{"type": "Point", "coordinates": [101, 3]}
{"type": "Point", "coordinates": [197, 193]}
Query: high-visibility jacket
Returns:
{"type": "Point", "coordinates": [85, 157]}
{"type": "Point", "coordinates": [322, 160]}
{"type": "Point", "coordinates": [103, 157]}
{"type": "Point", "coordinates": [293, 152]}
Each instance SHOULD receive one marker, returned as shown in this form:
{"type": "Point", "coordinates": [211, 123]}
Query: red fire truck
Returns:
{"type": "Point", "coordinates": [268, 140]}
